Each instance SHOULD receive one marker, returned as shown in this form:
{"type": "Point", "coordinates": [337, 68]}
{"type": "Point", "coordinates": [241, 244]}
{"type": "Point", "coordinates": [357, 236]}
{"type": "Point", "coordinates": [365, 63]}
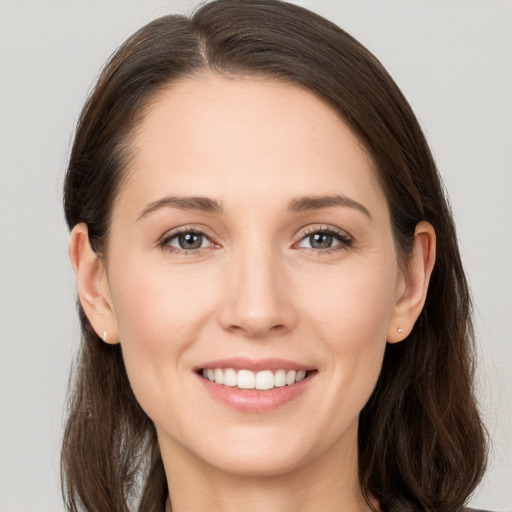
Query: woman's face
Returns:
{"type": "Point", "coordinates": [251, 243]}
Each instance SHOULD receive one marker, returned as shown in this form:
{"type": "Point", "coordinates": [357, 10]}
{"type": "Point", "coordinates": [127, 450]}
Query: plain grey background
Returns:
{"type": "Point", "coordinates": [453, 61]}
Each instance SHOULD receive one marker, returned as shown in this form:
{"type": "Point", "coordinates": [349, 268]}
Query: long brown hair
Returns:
{"type": "Point", "coordinates": [421, 440]}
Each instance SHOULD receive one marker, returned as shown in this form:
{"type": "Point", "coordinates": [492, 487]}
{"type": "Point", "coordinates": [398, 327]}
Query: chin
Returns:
{"type": "Point", "coordinates": [263, 464]}
{"type": "Point", "coordinates": [265, 452]}
{"type": "Point", "coordinates": [243, 450]}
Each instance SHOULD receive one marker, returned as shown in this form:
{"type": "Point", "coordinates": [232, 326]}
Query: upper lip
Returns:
{"type": "Point", "coordinates": [255, 365]}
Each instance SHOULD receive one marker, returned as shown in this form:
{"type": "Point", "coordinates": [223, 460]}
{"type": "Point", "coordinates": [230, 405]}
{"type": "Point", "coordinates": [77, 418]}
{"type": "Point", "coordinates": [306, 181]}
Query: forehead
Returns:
{"type": "Point", "coordinates": [229, 137]}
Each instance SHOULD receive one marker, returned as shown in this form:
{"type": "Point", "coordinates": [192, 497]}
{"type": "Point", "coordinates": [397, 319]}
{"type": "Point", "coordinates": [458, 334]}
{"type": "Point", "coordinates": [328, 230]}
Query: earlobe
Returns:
{"type": "Point", "coordinates": [416, 279]}
{"type": "Point", "coordinates": [92, 284]}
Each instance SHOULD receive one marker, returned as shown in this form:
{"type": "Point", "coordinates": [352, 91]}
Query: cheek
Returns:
{"type": "Point", "coordinates": [159, 314]}
{"type": "Point", "coordinates": [349, 321]}
{"type": "Point", "coordinates": [351, 305]}
{"type": "Point", "coordinates": [156, 307]}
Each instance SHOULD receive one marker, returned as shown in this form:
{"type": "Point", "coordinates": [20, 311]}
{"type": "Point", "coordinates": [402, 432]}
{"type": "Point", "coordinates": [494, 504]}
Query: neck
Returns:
{"type": "Point", "coordinates": [329, 483]}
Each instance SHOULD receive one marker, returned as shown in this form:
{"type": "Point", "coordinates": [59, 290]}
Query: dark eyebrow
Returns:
{"type": "Point", "coordinates": [208, 205]}
{"type": "Point", "coordinates": [203, 204]}
{"type": "Point", "coordinates": [302, 204]}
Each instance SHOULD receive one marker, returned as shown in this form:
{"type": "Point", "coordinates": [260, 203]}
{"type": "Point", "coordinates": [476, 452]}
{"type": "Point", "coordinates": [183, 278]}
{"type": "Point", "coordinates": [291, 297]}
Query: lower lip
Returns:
{"type": "Point", "coordinates": [253, 400]}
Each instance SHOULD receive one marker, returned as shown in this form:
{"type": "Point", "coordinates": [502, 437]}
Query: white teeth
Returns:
{"type": "Point", "coordinates": [246, 379]}
{"type": "Point", "coordinates": [280, 378]}
{"type": "Point", "coordinates": [219, 376]}
{"type": "Point", "coordinates": [290, 377]}
{"type": "Point", "coordinates": [264, 380]}
{"type": "Point", "coordinates": [229, 377]}
{"type": "Point", "coordinates": [301, 374]}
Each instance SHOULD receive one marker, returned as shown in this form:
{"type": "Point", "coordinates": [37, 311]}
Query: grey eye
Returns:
{"type": "Point", "coordinates": [189, 240]}
{"type": "Point", "coordinates": [320, 240]}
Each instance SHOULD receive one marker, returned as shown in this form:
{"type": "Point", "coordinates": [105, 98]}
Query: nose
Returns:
{"type": "Point", "coordinates": [259, 296]}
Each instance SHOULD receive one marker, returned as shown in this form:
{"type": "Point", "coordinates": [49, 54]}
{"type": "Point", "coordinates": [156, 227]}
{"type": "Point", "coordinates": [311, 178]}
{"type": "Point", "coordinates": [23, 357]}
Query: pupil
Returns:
{"type": "Point", "coordinates": [320, 240]}
{"type": "Point", "coordinates": [190, 240]}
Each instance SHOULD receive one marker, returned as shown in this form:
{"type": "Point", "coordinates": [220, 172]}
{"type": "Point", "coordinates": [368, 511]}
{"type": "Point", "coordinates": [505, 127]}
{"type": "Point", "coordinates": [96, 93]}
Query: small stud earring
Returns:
{"type": "Point", "coordinates": [105, 336]}
{"type": "Point", "coordinates": [398, 330]}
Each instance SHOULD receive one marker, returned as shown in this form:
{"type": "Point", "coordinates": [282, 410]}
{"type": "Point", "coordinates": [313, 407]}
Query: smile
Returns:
{"type": "Point", "coordinates": [255, 385]}
{"type": "Point", "coordinates": [246, 379]}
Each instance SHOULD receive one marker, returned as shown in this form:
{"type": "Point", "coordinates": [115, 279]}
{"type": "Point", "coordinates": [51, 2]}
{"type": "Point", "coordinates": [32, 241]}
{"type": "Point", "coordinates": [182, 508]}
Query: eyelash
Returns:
{"type": "Point", "coordinates": [165, 241]}
{"type": "Point", "coordinates": [343, 238]}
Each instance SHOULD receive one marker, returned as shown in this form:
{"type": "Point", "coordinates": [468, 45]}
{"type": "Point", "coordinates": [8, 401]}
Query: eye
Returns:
{"type": "Point", "coordinates": [324, 239]}
{"type": "Point", "coordinates": [187, 241]}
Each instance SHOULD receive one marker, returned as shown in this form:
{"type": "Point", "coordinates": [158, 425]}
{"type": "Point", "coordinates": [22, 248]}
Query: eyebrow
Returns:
{"type": "Point", "coordinates": [205, 204]}
{"type": "Point", "coordinates": [307, 203]}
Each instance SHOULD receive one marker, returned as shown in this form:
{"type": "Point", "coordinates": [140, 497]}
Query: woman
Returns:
{"type": "Point", "coordinates": [256, 220]}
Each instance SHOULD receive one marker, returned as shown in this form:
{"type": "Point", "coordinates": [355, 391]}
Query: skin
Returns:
{"type": "Point", "coordinates": [256, 288]}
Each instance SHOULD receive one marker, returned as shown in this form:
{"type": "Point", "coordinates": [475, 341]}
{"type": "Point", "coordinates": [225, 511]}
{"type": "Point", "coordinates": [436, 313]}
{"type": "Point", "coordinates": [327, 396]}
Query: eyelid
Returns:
{"type": "Point", "coordinates": [163, 241]}
{"type": "Point", "coordinates": [324, 228]}
{"type": "Point", "coordinates": [345, 239]}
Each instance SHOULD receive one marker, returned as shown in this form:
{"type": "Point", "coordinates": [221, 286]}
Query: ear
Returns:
{"type": "Point", "coordinates": [92, 284]}
{"type": "Point", "coordinates": [416, 277]}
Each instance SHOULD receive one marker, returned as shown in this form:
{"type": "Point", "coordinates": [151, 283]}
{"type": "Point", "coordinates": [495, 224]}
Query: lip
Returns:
{"type": "Point", "coordinates": [243, 363]}
{"type": "Point", "coordinates": [255, 401]}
